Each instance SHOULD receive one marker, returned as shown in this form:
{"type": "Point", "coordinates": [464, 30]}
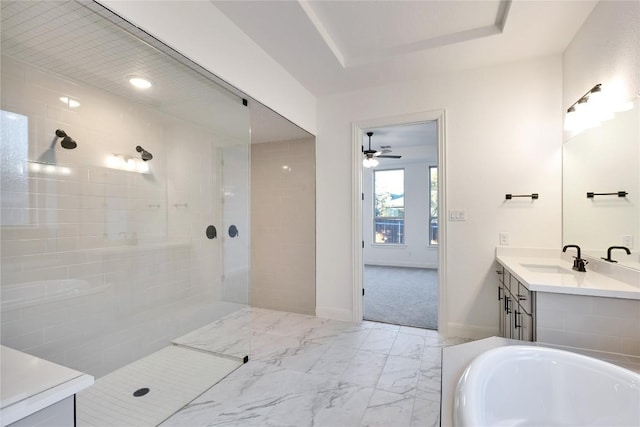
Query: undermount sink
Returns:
{"type": "Point", "coordinates": [546, 268]}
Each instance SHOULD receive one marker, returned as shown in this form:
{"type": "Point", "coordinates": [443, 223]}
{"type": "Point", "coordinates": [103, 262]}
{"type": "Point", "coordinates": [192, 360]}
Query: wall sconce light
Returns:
{"type": "Point", "coordinates": [48, 168]}
{"type": "Point", "coordinates": [591, 109]}
{"type": "Point", "coordinates": [127, 163]}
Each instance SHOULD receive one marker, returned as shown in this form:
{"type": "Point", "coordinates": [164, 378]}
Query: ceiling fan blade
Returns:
{"type": "Point", "coordinates": [383, 156]}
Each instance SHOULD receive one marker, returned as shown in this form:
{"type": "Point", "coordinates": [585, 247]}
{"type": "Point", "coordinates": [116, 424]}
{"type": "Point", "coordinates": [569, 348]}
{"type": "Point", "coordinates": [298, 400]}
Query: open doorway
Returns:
{"type": "Point", "coordinates": [400, 224]}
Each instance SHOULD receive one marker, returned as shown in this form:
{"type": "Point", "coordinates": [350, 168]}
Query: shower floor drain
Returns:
{"type": "Point", "coordinates": [141, 392]}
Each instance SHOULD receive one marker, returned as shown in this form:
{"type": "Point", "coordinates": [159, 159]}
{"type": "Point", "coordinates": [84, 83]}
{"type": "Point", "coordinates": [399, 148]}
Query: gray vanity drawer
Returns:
{"type": "Point", "coordinates": [524, 298]}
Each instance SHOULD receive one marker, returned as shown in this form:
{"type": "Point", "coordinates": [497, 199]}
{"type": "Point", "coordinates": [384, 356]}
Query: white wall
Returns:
{"type": "Point", "coordinates": [416, 251]}
{"type": "Point", "coordinates": [606, 50]}
{"type": "Point", "coordinates": [198, 30]}
{"type": "Point", "coordinates": [503, 135]}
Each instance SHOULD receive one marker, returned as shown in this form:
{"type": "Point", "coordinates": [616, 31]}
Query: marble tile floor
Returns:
{"type": "Point", "coordinates": [308, 371]}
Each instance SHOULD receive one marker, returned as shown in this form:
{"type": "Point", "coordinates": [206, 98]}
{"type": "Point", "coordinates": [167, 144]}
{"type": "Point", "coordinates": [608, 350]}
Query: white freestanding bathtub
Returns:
{"type": "Point", "coordinates": [538, 386]}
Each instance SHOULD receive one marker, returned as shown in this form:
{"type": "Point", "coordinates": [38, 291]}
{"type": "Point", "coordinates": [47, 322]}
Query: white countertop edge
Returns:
{"type": "Point", "coordinates": [541, 282]}
{"type": "Point", "coordinates": [33, 404]}
{"type": "Point", "coordinates": [592, 292]}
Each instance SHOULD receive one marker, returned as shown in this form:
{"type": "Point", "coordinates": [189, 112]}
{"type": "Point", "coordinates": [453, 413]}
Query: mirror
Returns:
{"type": "Point", "coordinates": [604, 160]}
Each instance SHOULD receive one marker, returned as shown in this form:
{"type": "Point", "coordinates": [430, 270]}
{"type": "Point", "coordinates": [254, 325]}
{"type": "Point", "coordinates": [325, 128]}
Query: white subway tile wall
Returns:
{"type": "Point", "coordinates": [595, 323]}
{"type": "Point", "coordinates": [102, 266]}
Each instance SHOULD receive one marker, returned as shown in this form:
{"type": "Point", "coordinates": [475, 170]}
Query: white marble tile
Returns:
{"type": "Point", "coordinates": [306, 371]}
{"type": "Point", "coordinates": [348, 338]}
{"type": "Point", "coordinates": [262, 319]}
{"type": "Point", "coordinates": [379, 341]}
{"type": "Point", "coordinates": [400, 375]}
{"type": "Point", "coordinates": [432, 355]}
{"type": "Point", "coordinates": [365, 368]}
{"type": "Point", "coordinates": [266, 346]}
{"type": "Point", "coordinates": [298, 325]}
{"type": "Point", "coordinates": [265, 395]}
{"type": "Point", "coordinates": [415, 331]}
{"type": "Point", "coordinates": [388, 409]}
{"type": "Point", "coordinates": [335, 404]}
{"type": "Point", "coordinates": [433, 339]}
{"type": "Point", "coordinates": [425, 414]}
{"type": "Point", "coordinates": [333, 363]}
{"type": "Point", "coordinates": [298, 358]}
{"type": "Point", "coordinates": [410, 346]}
{"type": "Point", "coordinates": [384, 326]}
{"type": "Point", "coordinates": [429, 382]}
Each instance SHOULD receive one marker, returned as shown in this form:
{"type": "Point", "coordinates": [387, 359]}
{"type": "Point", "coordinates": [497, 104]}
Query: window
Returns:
{"type": "Point", "coordinates": [388, 215]}
{"type": "Point", "coordinates": [433, 205]}
{"type": "Point", "coordinates": [14, 141]}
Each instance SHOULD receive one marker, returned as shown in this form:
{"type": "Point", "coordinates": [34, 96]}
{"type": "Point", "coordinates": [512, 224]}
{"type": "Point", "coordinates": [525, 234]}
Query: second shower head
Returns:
{"type": "Point", "coordinates": [144, 154]}
{"type": "Point", "coordinates": [67, 141]}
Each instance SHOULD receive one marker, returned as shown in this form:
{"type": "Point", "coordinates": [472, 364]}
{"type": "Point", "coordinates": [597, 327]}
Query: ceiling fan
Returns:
{"type": "Point", "coordinates": [371, 156]}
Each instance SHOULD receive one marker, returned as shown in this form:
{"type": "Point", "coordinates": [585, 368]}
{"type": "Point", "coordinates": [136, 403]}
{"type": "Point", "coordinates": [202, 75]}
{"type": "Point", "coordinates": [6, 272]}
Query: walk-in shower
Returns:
{"type": "Point", "coordinates": [105, 255]}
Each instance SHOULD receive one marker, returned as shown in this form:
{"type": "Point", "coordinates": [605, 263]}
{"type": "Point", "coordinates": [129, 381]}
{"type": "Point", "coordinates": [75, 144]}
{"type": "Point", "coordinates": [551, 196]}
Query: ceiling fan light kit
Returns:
{"type": "Point", "coordinates": [370, 160]}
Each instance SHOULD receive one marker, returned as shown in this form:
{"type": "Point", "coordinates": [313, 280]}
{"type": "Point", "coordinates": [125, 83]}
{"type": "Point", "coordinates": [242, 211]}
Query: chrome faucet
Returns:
{"type": "Point", "coordinates": [608, 258]}
{"type": "Point", "coordinates": [578, 263]}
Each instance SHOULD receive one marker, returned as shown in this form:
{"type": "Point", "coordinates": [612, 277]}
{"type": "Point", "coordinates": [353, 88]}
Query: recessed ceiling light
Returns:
{"type": "Point", "coordinates": [140, 82]}
{"type": "Point", "coordinates": [72, 103]}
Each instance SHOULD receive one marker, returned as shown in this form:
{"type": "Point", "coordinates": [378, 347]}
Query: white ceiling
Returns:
{"type": "Point", "coordinates": [414, 141]}
{"type": "Point", "coordinates": [333, 46]}
{"type": "Point", "coordinates": [82, 42]}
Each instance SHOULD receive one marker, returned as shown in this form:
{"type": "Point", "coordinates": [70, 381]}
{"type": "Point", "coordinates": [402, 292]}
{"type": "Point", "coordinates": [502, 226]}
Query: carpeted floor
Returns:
{"type": "Point", "coordinates": [401, 296]}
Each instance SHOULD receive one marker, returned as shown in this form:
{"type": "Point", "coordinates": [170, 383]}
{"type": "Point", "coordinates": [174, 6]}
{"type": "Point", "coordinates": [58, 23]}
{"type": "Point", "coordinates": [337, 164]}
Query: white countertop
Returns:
{"type": "Point", "coordinates": [29, 384]}
{"type": "Point", "coordinates": [591, 282]}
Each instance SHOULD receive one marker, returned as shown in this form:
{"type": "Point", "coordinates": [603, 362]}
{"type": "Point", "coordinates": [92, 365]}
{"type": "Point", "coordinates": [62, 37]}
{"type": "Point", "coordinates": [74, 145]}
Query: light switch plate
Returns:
{"type": "Point", "coordinates": [457, 215]}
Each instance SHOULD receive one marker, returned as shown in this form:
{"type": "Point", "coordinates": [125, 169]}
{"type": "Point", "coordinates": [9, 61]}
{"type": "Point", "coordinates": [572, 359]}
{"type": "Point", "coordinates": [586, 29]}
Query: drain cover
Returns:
{"type": "Point", "coordinates": [141, 392]}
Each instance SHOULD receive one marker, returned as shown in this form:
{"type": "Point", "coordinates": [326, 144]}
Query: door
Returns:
{"type": "Point", "coordinates": [400, 224]}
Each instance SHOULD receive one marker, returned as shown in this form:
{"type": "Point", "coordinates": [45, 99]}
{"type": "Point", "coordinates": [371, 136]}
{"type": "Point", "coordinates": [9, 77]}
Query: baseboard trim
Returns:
{"type": "Point", "coordinates": [401, 264]}
{"type": "Point", "coordinates": [335, 314]}
{"type": "Point", "coordinates": [470, 331]}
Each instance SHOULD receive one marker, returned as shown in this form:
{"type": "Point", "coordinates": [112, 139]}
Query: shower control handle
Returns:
{"type": "Point", "coordinates": [211, 232]}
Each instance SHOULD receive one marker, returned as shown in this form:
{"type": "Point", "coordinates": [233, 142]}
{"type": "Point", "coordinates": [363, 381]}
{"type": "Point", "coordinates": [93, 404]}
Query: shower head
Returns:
{"type": "Point", "coordinates": [67, 141]}
{"type": "Point", "coordinates": [144, 154]}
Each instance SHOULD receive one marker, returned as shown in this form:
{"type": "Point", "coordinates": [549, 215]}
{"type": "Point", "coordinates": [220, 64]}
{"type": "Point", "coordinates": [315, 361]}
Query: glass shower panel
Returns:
{"type": "Point", "coordinates": [236, 222]}
{"type": "Point", "coordinates": [105, 251]}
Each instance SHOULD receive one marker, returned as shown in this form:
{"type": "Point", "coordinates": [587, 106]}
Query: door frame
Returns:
{"type": "Point", "coordinates": [356, 209]}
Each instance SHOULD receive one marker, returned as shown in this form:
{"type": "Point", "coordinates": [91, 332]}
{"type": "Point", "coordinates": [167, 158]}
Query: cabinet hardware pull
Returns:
{"type": "Point", "coordinates": [499, 293]}
{"type": "Point", "coordinates": [522, 297]}
{"type": "Point", "coordinates": [507, 304]}
{"type": "Point", "coordinates": [534, 196]}
{"type": "Point", "coordinates": [515, 320]}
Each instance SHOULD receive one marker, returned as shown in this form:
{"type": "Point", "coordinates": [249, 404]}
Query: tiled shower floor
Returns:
{"type": "Point", "coordinates": [174, 376]}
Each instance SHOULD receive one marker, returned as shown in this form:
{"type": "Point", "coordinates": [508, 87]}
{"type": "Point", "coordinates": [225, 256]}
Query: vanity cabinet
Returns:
{"type": "Point", "coordinates": [516, 307]}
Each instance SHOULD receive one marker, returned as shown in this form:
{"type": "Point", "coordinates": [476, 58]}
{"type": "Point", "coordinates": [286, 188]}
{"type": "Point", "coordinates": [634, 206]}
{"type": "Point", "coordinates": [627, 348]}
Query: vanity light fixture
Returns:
{"type": "Point", "coordinates": [139, 82]}
{"type": "Point", "coordinates": [590, 110]}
